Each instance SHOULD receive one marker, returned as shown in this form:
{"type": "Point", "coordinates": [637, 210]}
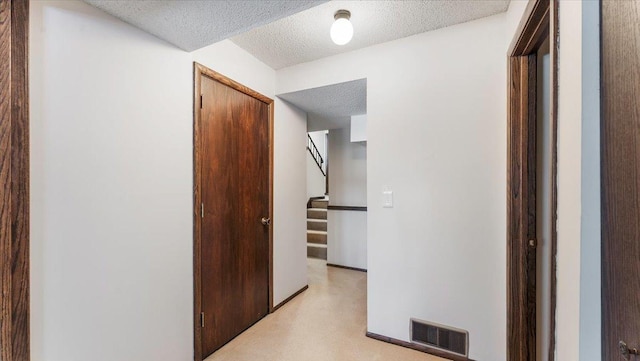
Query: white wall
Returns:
{"type": "Point", "coordinates": [590, 256]}
{"type": "Point", "coordinates": [348, 169]}
{"type": "Point", "coordinates": [347, 238]}
{"type": "Point", "coordinates": [290, 203]}
{"type": "Point", "coordinates": [111, 148]}
{"type": "Point", "coordinates": [578, 312]}
{"type": "Point", "coordinates": [347, 230]}
{"type": "Point", "coordinates": [112, 190]}
{"type": "Point", "coordinates": [359, 128]}
{"type": "Point", "coordinates": [437, 138]}
{"type": "Point", "coordinates": [320, 140]}
{"type": "Point", "coordinates": [316, 181]}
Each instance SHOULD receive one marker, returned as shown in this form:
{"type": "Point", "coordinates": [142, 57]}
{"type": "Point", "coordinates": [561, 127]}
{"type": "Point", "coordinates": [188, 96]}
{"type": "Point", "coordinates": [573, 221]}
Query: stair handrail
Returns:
{"type": "Point", "coordinates": [315, 153]}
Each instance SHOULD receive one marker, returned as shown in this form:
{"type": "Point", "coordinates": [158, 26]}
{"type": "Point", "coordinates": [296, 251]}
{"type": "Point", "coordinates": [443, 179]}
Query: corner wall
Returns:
{"type": "Point", "coordinates": [437, 138]}
{"type": "Point", "coordinates": [112, 188]}
{"type": "Point", "coordinates": [579, 300]}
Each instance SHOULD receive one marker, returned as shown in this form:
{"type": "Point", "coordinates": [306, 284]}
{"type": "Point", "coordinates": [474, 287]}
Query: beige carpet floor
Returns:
{"type": "Point", "coordinates": [325, 323]}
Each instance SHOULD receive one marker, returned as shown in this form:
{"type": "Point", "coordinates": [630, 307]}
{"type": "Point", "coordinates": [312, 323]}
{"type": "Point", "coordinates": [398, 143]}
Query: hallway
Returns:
{"type": "Point", "coordinates": [327, 322]}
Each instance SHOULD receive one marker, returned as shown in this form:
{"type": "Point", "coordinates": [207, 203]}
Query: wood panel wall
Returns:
{"type": "Point", "coordinates": [14, 181]}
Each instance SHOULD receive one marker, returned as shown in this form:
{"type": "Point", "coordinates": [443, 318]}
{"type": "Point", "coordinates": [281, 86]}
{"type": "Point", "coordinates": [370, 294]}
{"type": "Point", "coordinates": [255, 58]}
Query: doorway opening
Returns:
{"type": "Point", "coordinates": [531, 185]}
{"type": "Point", "coordinates": [336, 172]}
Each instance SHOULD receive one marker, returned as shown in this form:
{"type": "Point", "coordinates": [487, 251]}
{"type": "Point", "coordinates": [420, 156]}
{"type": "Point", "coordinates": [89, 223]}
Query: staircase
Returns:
{"type": "Point", "coordinates": [317, 229]}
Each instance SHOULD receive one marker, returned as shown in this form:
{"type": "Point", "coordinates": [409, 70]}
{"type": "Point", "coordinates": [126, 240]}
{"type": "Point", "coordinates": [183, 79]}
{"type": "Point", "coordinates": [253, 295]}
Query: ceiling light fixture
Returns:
{"type": "Point", "coordinates": [342, 29]}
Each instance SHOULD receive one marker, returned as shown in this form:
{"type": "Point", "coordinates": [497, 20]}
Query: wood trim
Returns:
{"type": "Point", "coordinates": [347, 208]}
{"type": "Point", "coordinates": [197, 223]}
{"type": "Point", "coordinates": [347, 267]}
{"type": "Point", "coordinates": [274, 309]}
{"type": "Point", "coordinates": [554, 48]}
{"type": "Point", "coordinates": [533, 28]}
{"type": "Point", "coordinates": [231, 83]}
{"type": "Point", "coordinates": [421, 348]}
{"type": "Point", "coordinates": [271, 185]}
{"type": "Point", "coordinates": [199, 71]}
{"type": "Point", "coordinates": [14, 179]}
{"type": "Point", "coordinates": [521, 226]}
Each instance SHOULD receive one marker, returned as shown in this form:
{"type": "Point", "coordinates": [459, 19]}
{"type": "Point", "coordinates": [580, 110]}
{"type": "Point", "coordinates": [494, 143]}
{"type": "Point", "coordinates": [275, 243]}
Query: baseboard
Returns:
{"type": "Point", "coordinates": [413, 346]}
{"type": "Point", "coordinates": [289, 298]}
{"type": "Point", "coordinates": [346, 267]}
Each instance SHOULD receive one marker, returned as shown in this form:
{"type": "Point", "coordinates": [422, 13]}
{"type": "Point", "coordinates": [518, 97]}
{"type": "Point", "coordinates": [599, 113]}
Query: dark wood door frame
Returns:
{"type": "Point", "coordinates": [539, 21]}
{"type": "Point", "coordinates": [14, 180]}
{"type": "Point", "coordinates": [199, 72]}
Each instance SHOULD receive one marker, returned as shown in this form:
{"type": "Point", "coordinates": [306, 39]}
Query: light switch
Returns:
{"type": "Point", "coordinates": [387, 199]}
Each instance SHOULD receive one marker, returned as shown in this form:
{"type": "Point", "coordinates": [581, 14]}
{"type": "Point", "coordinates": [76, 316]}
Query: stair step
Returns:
{"type": "Point", "coordinates": [317, 245]}
{"type": "Point", "coordinates": [317, 251]}
{"type": "Point", "coordinates": [316, 213]}
{"type": "Point", "coordinates": [317, 225]}
{"type": "Point", "coordinates": [319, 203]}
{"type": "Point", "coordinates": [318, 237]}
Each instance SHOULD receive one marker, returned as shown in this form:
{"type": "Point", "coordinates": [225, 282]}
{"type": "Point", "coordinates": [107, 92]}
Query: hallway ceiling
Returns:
{"type": "Point", "coordinates": [331, 106]}
{"type": "Point", "coordinates": [194, 24]}
{"type": "Point", "coordinates": [282, 33]}
{"type": "Point", "coordinates": [305, 37]}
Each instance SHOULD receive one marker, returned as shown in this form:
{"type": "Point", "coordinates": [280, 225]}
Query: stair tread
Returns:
{"type": "Point", "coordinates": [317, 209]}
{"type": "Point", "coordinates": [317, 245]}
{"type": "Point", "coordinates": [316, 220]}
{"type": "Point", "coordinates": [312, 231]}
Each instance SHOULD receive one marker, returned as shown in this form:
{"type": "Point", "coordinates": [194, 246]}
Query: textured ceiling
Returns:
{"type": "Point", "coordinates": [331, 106]}
{"type": "Point", "coordinates": [305, 37]}
{"type": "Point", "coordinates": [191, 24]}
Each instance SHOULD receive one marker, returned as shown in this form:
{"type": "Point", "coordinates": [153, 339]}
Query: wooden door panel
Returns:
{"type": "Point", "coordinates": [253, 205]}
{"type": "Point", "coordinates": [620, 176]}
{"type": "Point", "coordinates": [235, 194]}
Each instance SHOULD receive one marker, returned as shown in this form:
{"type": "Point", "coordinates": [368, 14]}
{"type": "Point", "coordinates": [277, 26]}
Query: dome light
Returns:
{"type": "Point", "coordinates": [342, 29]}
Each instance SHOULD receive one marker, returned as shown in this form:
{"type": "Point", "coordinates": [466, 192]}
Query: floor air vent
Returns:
{"type": "Point", "coordinates": [441, 337]}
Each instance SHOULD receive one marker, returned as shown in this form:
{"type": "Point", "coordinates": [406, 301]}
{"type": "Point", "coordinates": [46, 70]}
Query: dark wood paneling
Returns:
{"type": "Point", "coordinates": [5, 180]}
{"type": "Point", "coordinates": [421, 348]}
{"type": "Point", "coordinates": [235, 194]}
{"type": "Point", "coordinates": [306, 287]}
{"type": "Point", "coordinates": [14, 181]}
{"type": "Point", "coordinates": [233, 179]}
{"type": "Point", "coordinates": [347, 208]}
{"type": "Point", "coordinates": [346, 267]}
{"type": "Point", "coordinates": [20, 178]}
{"type": "Point", "coordinates": [620, 176]}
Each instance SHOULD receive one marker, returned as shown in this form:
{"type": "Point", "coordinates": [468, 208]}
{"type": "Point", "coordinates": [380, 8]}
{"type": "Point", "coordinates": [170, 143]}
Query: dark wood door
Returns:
{"type": "Point", "coordinates": [235, 196]}
{"type": "Point", "coordinates": [620, 177]}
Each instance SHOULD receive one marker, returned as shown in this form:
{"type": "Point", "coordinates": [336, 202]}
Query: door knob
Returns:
{"type": "Point", "coordinates": [266, 221]}
{"type": "Point", "coordinates": [626, 351]}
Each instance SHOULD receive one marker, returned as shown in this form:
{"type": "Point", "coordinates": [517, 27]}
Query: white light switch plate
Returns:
{"type": "Point", "coordinates": [387, 199]}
